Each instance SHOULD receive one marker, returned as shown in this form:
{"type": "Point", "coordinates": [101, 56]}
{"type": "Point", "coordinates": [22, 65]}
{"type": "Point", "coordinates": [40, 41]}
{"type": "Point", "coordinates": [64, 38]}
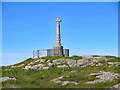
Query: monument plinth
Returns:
{"type": "Point", "coordinates": [58, 48]}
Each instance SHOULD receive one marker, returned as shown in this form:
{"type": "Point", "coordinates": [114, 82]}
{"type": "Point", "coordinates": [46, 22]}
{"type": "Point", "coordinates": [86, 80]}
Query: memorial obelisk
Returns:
{"type": "Point", "coordinates": [58, 48]}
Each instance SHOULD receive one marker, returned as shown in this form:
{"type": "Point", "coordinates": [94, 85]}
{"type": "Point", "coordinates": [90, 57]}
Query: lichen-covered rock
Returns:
{"type": "Point", "coordinates": [116, 86]}
{"type": "Point", "coordinates": [42, 60]}
{"type": "Point", "coordinates": [27, 67]}
{"type": "Point", "coordinates": [72, 71]}
{"type": "Point", "coordinates": [48, 61]}
{"type": "Point", "coordinates": [114, 63]}
{"type": "Point", "coordinates": [58, 80]}
{"type": "Point", "coordinates": [3, 79]}
{"type": "Point", "coordinates": [45, 68]}
{"type": "Point", "coordinates": [37, 60]}
{"type": "Point", "coordinates": [31, 63]}
{"type": "Point", "coordinates": [99, 64]}
{"type": "Point", "coordinates": [62, 66]}
{"type": "Point", "coordinates": [71, 63]}
{"type": "Point", "coordinates": [69, 82]}
{"type": "Point", "coordinates": [38, 66]}
{"type": "Point", "coordinates": [58, 61]}
{"type": "Point", "coordinates": [104, 77]}
{"type": "Point", "coordinates": [50, 64]}
{"type": "Point", "coordinates": [80, 63]}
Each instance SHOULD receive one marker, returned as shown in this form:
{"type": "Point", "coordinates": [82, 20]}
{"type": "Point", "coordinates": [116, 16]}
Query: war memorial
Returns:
{"type": "Point", "coordinates": [57, 49]}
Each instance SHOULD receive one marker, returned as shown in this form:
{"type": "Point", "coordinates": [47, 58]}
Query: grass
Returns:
{"type": "Point", "coordinates": [41, 78]}
{"type": "Point", "coordinates": [58, 57]}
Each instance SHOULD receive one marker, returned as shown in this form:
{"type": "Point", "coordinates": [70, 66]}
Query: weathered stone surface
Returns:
{"type": "Point", "coordinates": [114, 63]}
{"type": "Point", "coordinates": [48, 61]}
{"type": "Point", "coordinates": [99, 64]}
{"type": "Point", "coordinates": [58, 61]}
{"type": "Point", "coordinates": [80, 63]}
{"type": "Point", "coordinates": [65, 83]}
{"type": "Point", "coordinates": [38, 60]}
{"type": "Point", "coordinates": [3, 79]}
{"type": "Point", "coordinates": [58, 80]}
{"type": "Point", "coordinates": [62, 66]}
{"type": "Point", "coordinates": [116, 86]}
{"type": "Point", "coordinates": [50, 64]}
{"type": "Point", "coordinates": [96, 59]}
{"type": "Point", "coordinates": [39, 66]}
{"type": "Point", "coordinates": [69, 82]}
{"type": "Point", "coordinates": [27, 67]}
{"type": "Point", "coordinates": [64, 63]}
{"type": "Point", "coordinates": [104, 77]}
{"type": "Point", "coordinates": [72, 71]}
{"type": "Point", "coordinates": [42, 60]}
{"type": "Point", "coordinates": [44, 68]}
{"type": "Point", "coordinates": [31, 63]}
{"type": "Point", "coordinates": [71, 63]}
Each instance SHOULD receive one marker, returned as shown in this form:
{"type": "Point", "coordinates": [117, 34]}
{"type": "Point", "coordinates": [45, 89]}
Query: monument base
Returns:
{"type": "Point", "coordinates": [58, 51]}
{"type": "Point", "coordinates": [50, 52]}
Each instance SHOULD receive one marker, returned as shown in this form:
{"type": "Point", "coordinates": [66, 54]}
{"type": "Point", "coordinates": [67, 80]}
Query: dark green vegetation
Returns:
{"type": "Point", "coordinates": [57, 57]}
{"type": "Point", "coordinates": [41, 78]}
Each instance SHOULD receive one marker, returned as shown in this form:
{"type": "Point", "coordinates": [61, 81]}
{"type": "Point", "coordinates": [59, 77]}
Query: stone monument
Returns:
{"type": "Point", "coordinates": [58, 48]}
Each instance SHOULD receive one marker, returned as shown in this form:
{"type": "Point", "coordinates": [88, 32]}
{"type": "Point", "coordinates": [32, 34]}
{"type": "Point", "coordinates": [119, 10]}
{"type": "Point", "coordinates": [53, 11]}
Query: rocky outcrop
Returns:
{"type": "Point", "coordinates": [114, 63]}
{"type": "Point", "coordinates": [71, 63]}
{"type": "Point", "coordinates": [3, 79]}
{"type": "Point", "coordinates": [66, 63]}
{"type": "Point", "coordinates": [58, 61]}
{"type": "Point", "coordinates": [69, 82]}
{"type": "Point", "coordinates": [116, 86]}
{"type": "Point", "coordinates": [103, 77]}
{"type": "Point", "coordinates": [58, 80]}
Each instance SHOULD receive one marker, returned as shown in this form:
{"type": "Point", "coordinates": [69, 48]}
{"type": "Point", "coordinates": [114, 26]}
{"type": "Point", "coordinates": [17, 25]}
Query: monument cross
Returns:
{"type": "Point", "coordinates": [58, 43]}
{"type": "Point", "coordinates": [58, 48]}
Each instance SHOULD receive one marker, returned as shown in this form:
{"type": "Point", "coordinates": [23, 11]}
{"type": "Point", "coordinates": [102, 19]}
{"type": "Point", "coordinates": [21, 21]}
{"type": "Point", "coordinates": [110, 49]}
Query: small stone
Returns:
{"type": "Point", "coordinates": [31, 63]}
{"type": "Point", "coordinates": [50, 64]}
{"type": "Point", "coordinates": [37, 60]}
{"type": "Point", "coordinates": [73, 71]}
{"type": "Point", "coordinates": [42, 60]}
{"type": "Point", "coordinates": [75, 83]}
{"type": "Point", "coordinates": [48, 61]}
{"type": "Point", "coordinates": [27, 67]}
{"type": "Point", "coordinates": [99, 64]}
{"type": "Point", "coordinates": [80, 63]}
{"type": "Point", "coordinates": [45, 68]}
{"type": "Point", "coordinates": [65, 83]}
{"type": "Point", "coordinates": [69, 82]}
{"type": "Point", "coordinates": [62, 66]}
{"type": "Point", "coordinates": [61, 77]}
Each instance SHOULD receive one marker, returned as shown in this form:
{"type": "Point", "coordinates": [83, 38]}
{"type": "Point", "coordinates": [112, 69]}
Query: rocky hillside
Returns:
{"type": "Point", "coordinates": [63, 72]}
